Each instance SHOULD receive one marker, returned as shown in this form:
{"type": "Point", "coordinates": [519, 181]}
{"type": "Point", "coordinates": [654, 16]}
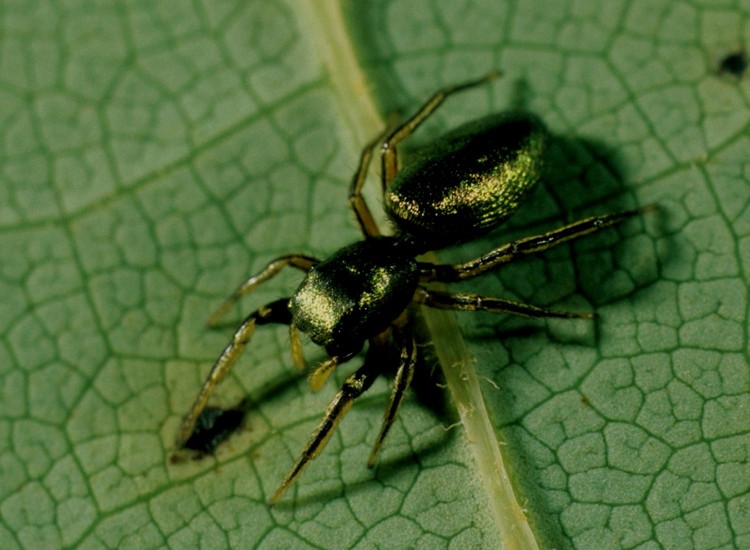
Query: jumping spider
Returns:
{"type": "Point", "coordinates": [464, 184]}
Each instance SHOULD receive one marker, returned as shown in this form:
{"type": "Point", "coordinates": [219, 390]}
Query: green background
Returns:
{"type": "Point", "coordinates": [153, 154]}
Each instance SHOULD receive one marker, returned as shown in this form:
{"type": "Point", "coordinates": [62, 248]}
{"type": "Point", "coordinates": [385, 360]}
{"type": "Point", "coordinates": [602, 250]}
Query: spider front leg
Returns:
{"type": "Point", "coordinates": [354, 386]}
{"type": "Point", "coordinates": [275, 312]}
{"type": "Point", "coordinates": [300, 261]}
{"type": "Point", "coordinates": [401, 382]}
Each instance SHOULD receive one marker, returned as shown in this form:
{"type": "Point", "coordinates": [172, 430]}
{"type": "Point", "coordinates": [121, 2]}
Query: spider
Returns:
{"type": "Point", "coordinates": [462, 185]}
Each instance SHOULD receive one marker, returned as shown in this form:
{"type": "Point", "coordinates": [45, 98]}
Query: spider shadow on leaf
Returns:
{"type": "Point", "coordinates": [584, 176]}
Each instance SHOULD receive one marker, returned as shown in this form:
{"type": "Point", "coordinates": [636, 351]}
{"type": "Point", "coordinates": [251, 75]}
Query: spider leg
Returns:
{"type": "Point", "coordinates": [356, 201]}
{"type": "Point", "coordinates": [524, 247]}
{"type": "Point", "coordinates": [275, 312]}
{"type": "Point", "coordinates": [389, 155]}
{"type": "Point", "coordinates": [401, 382]}
{"type": "Point", "coordinates": [467, 301]}
{"type": "Point", "coordinates": [272, 269]}
{"type": "Point", "coordinates": [354, 386]}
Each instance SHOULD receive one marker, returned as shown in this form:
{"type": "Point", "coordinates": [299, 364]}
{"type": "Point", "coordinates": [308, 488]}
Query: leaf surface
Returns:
{"type": "Point", "coordinates": [155, 154]}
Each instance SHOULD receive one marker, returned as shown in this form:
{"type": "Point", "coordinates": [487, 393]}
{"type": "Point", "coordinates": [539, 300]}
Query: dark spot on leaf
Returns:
{"type": "Point", "coordinates": [214, 426]}
{"type": "Point", "coordinates": [734, 64]}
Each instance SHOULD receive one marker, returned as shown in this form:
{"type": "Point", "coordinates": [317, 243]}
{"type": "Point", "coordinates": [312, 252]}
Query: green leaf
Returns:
{"type": "Point", "coordinates": [154, 154]}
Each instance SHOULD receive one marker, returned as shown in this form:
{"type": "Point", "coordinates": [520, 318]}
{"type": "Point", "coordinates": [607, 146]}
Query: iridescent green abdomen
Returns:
{"type": "Point", "coordinates": [468, 181]}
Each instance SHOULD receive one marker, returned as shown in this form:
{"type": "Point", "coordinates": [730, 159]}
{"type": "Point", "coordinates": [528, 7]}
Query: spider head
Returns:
{"type": "Point", "coordinates": [354, 294]}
